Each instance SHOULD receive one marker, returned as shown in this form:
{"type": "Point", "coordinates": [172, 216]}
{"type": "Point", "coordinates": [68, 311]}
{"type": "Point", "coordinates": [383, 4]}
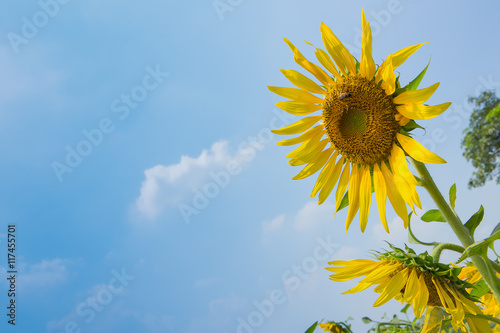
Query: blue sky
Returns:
{"type": "Point", "coordinates": [147, 191]}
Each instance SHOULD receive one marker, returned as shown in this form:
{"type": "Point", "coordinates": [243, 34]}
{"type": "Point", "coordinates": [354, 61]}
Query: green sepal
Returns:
{"type": "Point", "coordinates": [412, 124]}
{"type": "Point", "coordinates": [453, 195]}
{"type": "Point", "coordinates": [366, 320]}
{"type": "Point", "coordinates": [357, 65]}
{"type": "Point", "coordinates": [345, 201]}
{"type": "Point", "coordinates": [407, 306]}
{"type": "Point", "coordinates": [413, 85]}
{"type": "Point", "coordinates": [312, 328]}
{"type": "Point", "coordinates": [474, 221]}
{"type": "Point", "coordinates": [433, 215]}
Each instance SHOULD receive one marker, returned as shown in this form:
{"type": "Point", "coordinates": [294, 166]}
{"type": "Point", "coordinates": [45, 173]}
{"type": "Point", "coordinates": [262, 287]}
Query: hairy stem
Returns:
{"type": "Point", "coordinates": [483, 266]}
{"type": "Point", "coordinates": [436, 253]}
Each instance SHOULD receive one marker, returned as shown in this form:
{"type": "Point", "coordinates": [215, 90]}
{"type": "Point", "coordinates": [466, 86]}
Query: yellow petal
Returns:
{"type": "Point", "coordinates": [433, 319]}
{"type": "Point", "coordinates": [380, 194]}
{"type": "Point", "coordinates": [324, 174]}
{"type": "Point", "coordinates": [298, 126]}
{"type": "Point", "coordinates": [445, 299]}
{"type": "Point", "coordinates": [354, 264]}
{"type": "Point", "coordinates": [367, 65]}
{"type": "Point", "coordinates": [342, 187]}
{"type": "Point", "coordinates": [318, 130]}
{"type": "Point", "coordinates": [298, 108]}
{"type": "Point", "coordinates": [422, 112]}
{"type": "Point", "coordinates": [326, 61]}
{"type": "Point", "coordinates": [399, 57]}
{"type": "Point", "coordinates": [404, 190]}
{"type": "Point", "coordinates": [380, 274]}
{"type": "Point", "coordinates": [386, 74]}
{"type": "Point", "coordinates": [400, 166]}
{"type": "Point", "coordinates": [312, 168]}
{"type": "Point", "coordinates": [302, 81]}
{"type": "Point", "coordinates": [411, 289]}
{"type": "Point", "coordinates": [357, 288]}
{"type": "Point", "coordinates": [394, 197]}
{"type": "Point", "coordinates": [337, 50]}
{"type": "Point", "coordinates": [311, 156]}
{"type": "Point", "coordinates": [328, 181]}
{"type": "Point", "coordinates": [416, 96]}
{"type": "Point", "coordinates": [353, 195]}
{"type": "Point", "coordinates": [478, 325]}
{"type": "Point", "coordinates": [420, 302]}
{"type": "Point", "coordinates": [365, 197]}
{"type": "Point", "coordinates": [397, 283]}
{"type": "Point", "coordinates": [295, 94]}
{"type": "Point", "coordinates": [305, 147]}
{"type": "Point", "coordinates": [417, 151]}
{"type": "Point", "coordinates": [309, 66]}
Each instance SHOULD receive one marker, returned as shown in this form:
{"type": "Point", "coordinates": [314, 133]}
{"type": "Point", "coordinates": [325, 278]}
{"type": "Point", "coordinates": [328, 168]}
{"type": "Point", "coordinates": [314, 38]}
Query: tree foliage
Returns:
{"type": "Point", "coordinates": [481, 142]}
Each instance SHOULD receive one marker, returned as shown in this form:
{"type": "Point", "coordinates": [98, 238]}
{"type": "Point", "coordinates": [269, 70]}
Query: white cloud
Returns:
{"type": "Point", "coordinates": [44, 274]}
{"type": "Point", "coordinates": [312, 214]}
{"type": "Point", "coordinates": [274, 224]}
{"type": "Point", "coordinates": [183, 176]}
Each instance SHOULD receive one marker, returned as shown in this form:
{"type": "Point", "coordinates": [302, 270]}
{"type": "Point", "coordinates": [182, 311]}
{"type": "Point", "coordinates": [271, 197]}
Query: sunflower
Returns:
{"type": "Point", "coordinates": [487, 302]}
{"type": "Point", "coordinates": [362, 134]}
{"type": "Point", "coordinates": [332, 327]}
{"type": "Point", "coordinates": [416, 280]}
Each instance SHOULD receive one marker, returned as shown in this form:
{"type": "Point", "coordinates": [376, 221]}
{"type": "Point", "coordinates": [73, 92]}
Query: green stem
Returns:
{"type": "Point", "coordinates": [415, 238]}
{"type": "Point", "coordinates": [495, 266]}
{"type": "Point", "coordinates": [490, 318]}
{"type": "Point", "coordinates": [484, 267]}
{"type": "Point", "coordinates": [436, 253]}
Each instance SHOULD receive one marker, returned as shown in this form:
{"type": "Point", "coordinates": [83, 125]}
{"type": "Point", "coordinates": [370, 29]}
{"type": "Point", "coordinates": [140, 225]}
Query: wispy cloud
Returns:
{"type": "Point", "coordinates": [181, 176]}
{"type": "Point", "coordinates": [45, 274]}
{"type": "Point", "coordinates": [312, 214]}
{"type": "Point", "coordinates": [274, 224]}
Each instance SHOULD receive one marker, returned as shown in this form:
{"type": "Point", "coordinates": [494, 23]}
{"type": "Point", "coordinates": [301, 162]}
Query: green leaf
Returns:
{"type": "Point", "coordinates": [453, 195]}
{"type": "Point", "coordinates": [495, 230]}
{"type": "Point", "coordinates": [366, 320]}
{"type": "Point", "coordinates": [413, 85]}
{"type": "Point", "coordinates": [433, 215]}
{"type": "Point", "coordinates": [479, 248]}
{"type": "Point", "coordinates": [312, 328]}
{"type": "Point", "coordinates": [345, 201]}
{"type": "Point", "coordinates": [474, 221]}
{"type": "Point", "coordinates": [480, 288]}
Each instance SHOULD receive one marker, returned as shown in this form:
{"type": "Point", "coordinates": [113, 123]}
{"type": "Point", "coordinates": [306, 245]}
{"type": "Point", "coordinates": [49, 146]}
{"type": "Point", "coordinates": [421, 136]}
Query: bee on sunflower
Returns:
{"type": "Point", "coordinates": [360, 139]}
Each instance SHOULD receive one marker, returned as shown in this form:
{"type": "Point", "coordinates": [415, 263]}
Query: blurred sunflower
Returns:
{"type": "Point", "coordinates": [332, 327]}
{"type": "Point", "coordinates": [366, 117]}
{"type": "Point", "coordinates": [416, 280]}
{"type": "Point", "coordinates": [487, 302]}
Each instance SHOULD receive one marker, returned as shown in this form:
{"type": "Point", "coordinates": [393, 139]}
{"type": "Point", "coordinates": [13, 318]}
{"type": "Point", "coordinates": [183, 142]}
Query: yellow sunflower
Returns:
{"type": "Point", "coordinates": [488, 302]}
{"type": "Point", "coordinates": [416, 280]}
{"type": "Point", "coordinates": [361, 136]}
{"type": "Point", "coordinates": [332, 327]}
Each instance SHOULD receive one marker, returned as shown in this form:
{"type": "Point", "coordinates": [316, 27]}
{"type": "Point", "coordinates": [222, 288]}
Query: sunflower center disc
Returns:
{"type": "Point", "coordinates": [360, 120]}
